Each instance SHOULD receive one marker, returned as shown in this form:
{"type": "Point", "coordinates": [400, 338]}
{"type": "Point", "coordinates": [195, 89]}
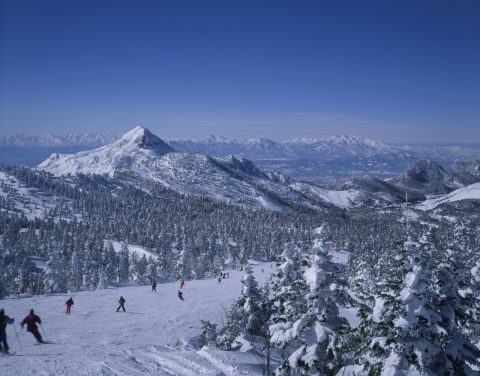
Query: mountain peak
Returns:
{"type": "Point", "coordinates": [140, 137]}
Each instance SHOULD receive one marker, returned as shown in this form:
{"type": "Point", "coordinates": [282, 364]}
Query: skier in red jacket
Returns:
{"type": "Point", "coordinates": [69, 305]}
{"type": "Point", "coordinates": [31, 321]}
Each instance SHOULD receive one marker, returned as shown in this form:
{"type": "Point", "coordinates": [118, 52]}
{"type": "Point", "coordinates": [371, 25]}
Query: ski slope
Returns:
{"type": "Point", "coordinates": [470, 192]}
{"type": "Point", "coordinates": [156, 336]}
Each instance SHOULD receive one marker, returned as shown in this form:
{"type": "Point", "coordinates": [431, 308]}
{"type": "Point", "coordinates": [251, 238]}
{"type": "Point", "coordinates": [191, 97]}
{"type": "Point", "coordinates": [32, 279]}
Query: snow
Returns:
{"type": "Point", "coordinates": [140, 156]}
{"type": "Point", "coordinates": [132, 248]}
{"type": "Point", "coordinates": [137, 147]}
{"type": "Point", "coordinates": [342, 199]}
{"type": "Point", "coordinates": [378, 309]}
{"type": "Point", "coordinates": [31, 201]}
{"type": "Point", "coordinates": [154, 337]}
{"type": "Point", "coordinates": [340, 257]}
{"type": "Point", "coordinates": [351, 315]}
{"type": "Point", "coordinates": [470, 192]}
{"type": "Point", "coordinates": [315, 276]}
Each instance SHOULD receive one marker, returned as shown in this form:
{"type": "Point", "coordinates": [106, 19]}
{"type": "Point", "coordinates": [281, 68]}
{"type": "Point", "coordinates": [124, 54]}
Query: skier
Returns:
{"type": "Point", "coordinates": [154, 287]}
{"type": "Point", "coordinates": [122, 302]}
{"type": "Point", "coordinates": [180, 295]}
{"type": "Point", "coordinates": [31, 321]}
{"type": "Point", "coordinates": [4, 320]}
{"type": "Point", "coordinates": [182, 283]}
{"type": "Point", "coordinates": [69, 303]}
{"type": "Point", "coordinates": [219, 280]}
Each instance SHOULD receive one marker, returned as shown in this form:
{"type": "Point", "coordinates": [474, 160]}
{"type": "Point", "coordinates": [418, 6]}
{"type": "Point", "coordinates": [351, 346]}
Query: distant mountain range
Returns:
{"type": "Point", "coordinates": [88, 140]}
{"type": "Point", "coordinates": [320, 160]}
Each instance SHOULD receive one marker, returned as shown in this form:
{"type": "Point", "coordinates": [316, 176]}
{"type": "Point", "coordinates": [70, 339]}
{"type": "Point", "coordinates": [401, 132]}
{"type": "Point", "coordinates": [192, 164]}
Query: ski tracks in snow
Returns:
{"type": "Point", "coordinates": [164, 360]}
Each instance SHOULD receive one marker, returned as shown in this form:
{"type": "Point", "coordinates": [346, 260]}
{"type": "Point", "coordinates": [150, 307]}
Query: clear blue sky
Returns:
{"type": "Point", "coordinates": [393, 70]}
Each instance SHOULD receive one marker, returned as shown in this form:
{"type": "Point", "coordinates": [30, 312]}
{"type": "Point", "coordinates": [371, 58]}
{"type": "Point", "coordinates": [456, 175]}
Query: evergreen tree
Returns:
{"type": "Point", "coordinates": [311, 341]}
{"type": "Point", "coordinates": [51, 279]}
{"type": "Point", "coordinates": [75, 275]}
{"type": "Point", "coordinates": [455, 307]}
{"type": "Point", "coordinates": [124, 263]}
{"type": "Point", "coordinates": [102, 280]}
{"type": "Point", "coordinates": [3, 290]}
{"type": "Point", "coordinates": [247, 316]}
{"type": "Point", "coordinates": [209, 334]}
{"type": "Point", "coordinates": [152, 273]}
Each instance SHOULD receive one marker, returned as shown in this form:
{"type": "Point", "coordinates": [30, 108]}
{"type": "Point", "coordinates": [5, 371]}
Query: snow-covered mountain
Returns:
{"type": "Point", "coordinates": [431, 178]}
{"type": "Point", "coordinates": [141, 156]}
{"type": "Point", "coordinates": [339, 146]}
{"type": "Point", "coordinates": [320, 160]}
{"type": "Point", "coordinates": [254, 148]}
{"type": "Point", "coordinates": [326, 159]}
{"type": "Point", "coordinates": [137, 149]}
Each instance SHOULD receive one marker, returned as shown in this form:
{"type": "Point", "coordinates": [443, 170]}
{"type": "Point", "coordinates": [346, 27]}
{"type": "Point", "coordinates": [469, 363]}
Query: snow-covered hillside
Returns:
{"type": "Point", "coordinates": [470, 192]}
{"type": "Point", "coordinates": [21, 199]}
{"type": "Point", "coordinates": [155, 336]}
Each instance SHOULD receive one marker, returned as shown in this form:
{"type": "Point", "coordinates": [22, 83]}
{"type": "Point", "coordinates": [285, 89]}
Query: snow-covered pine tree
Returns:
{"type": "Point", "coordinates": [123, 264]}
{"type": "Point", "coordinates": [247, 316]}
{"type": "Point", "coordinates": [288, 287]}
{"type": "Point", "coordinates": [399, 336]}
{"type": "Point", "coordinates": [152, 271]}
{"type": "Point", "coordinates": [110, 261]}
{"type": "Point", "coordinates": [141, 270]}
{"type": "Point", "coordinates": [133, 267]}
{"type": "Point", "coordinates": [289, 298]}
{"type": "Point", "coordinates": [311, 341]}
{"type": "Point", "coordinates": [208, 337]}
{"type": "Point", "coordinates": [455, 306]}
{"type": "Point", "coordinates": [51, 277]}
{"type": "Point", "coordinates": [183, 267]}
{"type": "Point", "coordinates": [90, 274]}
{"type": "Point", "coordinates": [475, 312]}
{"type": "Point", "coordinates": [74, 282]}
{"type": "Point", "coordinates": [102, 280]}
{"type": "Point", "coordinates": [3, 291]}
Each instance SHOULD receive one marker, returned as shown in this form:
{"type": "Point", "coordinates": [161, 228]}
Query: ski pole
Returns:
{"type": "Point", "coordinates": [16, 334]}
{"type": "Point", "coordinates": [43, 332]}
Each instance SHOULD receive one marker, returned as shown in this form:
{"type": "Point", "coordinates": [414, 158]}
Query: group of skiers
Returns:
{"type": "Point", "coordinates": [31, 321]}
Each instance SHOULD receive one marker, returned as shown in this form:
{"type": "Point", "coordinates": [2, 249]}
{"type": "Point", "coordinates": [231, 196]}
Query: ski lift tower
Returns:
{"type": "Point", "coordinates": [406, 212]}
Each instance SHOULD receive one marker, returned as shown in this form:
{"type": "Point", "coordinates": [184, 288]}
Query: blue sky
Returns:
{"type": "Point", "coordinates": [393, 70]}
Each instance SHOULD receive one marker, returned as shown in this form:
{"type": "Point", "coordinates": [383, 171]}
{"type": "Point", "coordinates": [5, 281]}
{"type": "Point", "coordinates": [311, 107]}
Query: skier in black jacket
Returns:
{"type": "Point", "coordinates": [4, 320]}
{"type": "Point", "coordinates": [122, 302]}
{"type": "Point", "coordinates": [180, 295]}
